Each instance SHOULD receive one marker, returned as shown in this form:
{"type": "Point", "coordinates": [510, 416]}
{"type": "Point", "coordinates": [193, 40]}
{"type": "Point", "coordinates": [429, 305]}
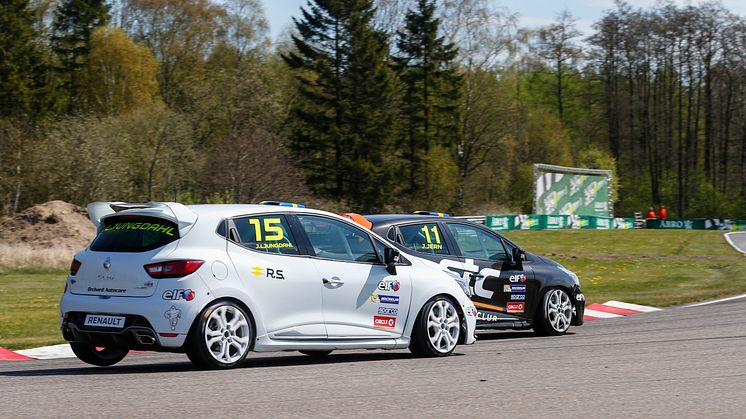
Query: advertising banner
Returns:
{"type": "Point", "coordinates": [571, 191]}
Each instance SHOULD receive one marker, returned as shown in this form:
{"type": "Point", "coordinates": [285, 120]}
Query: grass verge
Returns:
{"type": "Point", "coordinates": [29, 307]}
{"type": "Point", "coordinates": [650, 267]}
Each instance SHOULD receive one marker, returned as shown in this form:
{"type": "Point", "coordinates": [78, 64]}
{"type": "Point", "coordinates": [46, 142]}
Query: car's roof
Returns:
{"type": "Point", "coordinates": [386, 219]}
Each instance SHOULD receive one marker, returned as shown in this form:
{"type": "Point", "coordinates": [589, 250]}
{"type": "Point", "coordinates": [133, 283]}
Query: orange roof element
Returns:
{"type": "Point", "coordinates": [358, 219]}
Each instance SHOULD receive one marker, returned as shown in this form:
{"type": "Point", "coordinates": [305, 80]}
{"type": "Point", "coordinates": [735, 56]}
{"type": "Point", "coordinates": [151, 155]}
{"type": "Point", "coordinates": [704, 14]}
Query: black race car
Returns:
{"type": "Point", "coordinates": [511, 288]}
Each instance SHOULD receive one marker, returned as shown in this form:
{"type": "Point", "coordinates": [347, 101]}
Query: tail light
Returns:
{"type": "Point", "coordinates": [173, 268]}
{"type": "Point", "coordinates": [74, 266]}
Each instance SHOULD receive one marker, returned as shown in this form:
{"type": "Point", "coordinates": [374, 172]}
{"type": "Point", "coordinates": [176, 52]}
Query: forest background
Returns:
{"type": "Point", "coordinates": [368, 106]}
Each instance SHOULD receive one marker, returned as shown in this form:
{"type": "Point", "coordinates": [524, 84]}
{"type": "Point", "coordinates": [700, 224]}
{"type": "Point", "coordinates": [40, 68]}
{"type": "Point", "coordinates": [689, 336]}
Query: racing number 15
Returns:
{"type": "Point", "coordinates": [427, 233]}
{"type": "Point", "coordinates": [272, 229]}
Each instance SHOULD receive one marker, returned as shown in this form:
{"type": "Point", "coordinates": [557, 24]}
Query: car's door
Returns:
{"type": "Point", "coordinates": [361, 299]}
{"type": "Point", "coordinates": [282, 282]}
{"type": "Point", "coordinates": [429, 241]}
{"type": "Point", "coordinates": [502, 287]}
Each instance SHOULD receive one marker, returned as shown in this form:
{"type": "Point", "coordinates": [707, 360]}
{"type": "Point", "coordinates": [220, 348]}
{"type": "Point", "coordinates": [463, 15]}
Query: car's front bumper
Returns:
{"type": "Point", "coordinates": [578, 299]}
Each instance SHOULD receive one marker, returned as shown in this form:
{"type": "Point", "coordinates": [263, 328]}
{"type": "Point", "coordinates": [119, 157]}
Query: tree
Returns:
{"type": "Point", "coordinates": [181, 33]}
{"type": "Point", "coordinates": [20, 60]}
{"type": "Point", "coordinates": [121, 75]}
{"type": "Point", "coordinates": [432, 87]}
{"type": "Point", "coordinates": [556, 46]}
{"type": "Point", "coordinates": [74, 23]}
{"type": "Point", "coordinates": [343, 121]}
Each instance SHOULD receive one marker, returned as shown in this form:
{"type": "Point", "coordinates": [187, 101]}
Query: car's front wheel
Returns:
{"type": "Point", "coordinates": [102, 357]}
{"type": "Point", "coordinates": [222, 336]}
{"type": "Point", "coordinates": [555, 314]}
{"type": "Point", "coordinates": [436, 330]}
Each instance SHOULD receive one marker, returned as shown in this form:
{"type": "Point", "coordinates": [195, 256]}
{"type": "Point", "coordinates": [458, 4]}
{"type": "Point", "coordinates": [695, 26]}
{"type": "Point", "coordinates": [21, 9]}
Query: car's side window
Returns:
{"type": "Point", "coordinates": [333, 239]}
{"type": "Point", "coordinates": [477, 243]}
{"type": "Point", "coordinates": [425, 237]}
{"type": "Point", "coordinates": [266, 233]}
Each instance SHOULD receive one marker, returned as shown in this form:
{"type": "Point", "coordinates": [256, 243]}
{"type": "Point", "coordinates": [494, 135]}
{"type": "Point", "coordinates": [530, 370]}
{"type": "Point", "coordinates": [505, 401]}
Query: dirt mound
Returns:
{"type": "Point", "coordinates": [53, 224]}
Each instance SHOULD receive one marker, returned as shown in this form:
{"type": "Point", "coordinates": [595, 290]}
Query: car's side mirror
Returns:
{"type": "Point", "coordinates": [391, 258]}
{"type": "Point", "coordinates": [517, 256]}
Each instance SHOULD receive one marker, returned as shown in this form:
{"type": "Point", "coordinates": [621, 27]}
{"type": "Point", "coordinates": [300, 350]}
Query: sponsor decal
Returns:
{"type": "Point", "coordinates": [173, 315]}
{"type": "Point", "coordinates": [466, 270]}
{"type": "Point", "coordinates": [517, 278]}
{"type": "Point", "coordinates": [389, 285]}
{"type": "Point", "coordinates": [515, 307]}
{"type": "Point", "coordinates": [384, 299]}
{"type": "Point", "coordinates": [267, 272]}
{"type": "Point", "coordinates": [384, 322]}
{"type": "Point", "coordinates": [263, 246]}
{"type": "Point", "coordinates": [388, 311]}
{"type": "Point", "coordinates": [514, 288]}
{"type": "Point", "coordinates": [518, 297]}
{"type": "Point", "coordinates": [105, 277]}
{"type": "Point", "coordinates": [487, 317]}
{"type": "Point", "coordinates": [470, 311]}
{"type": "Point", "coordinates": [159, 228]}
{"type": "Point", "coordinates": [178, 294]}
{"type": "Point", "coordinates": [104, 289]}
{"type": "Point", "coordinates": [580, 297]}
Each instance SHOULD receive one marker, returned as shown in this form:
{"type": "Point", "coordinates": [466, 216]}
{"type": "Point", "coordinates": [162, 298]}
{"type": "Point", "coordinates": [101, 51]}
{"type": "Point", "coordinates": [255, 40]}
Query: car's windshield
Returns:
{"type": "Point", "coordinates": [134, 233]}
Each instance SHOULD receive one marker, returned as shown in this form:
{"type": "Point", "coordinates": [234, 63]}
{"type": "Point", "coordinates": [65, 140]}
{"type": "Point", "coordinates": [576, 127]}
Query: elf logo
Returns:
{"type": "Point", "coordinates": [388, 285]}
{"type": "Point", "coordinates": [517, 278]}
{"type": "Point", "coordinates": [384, 322]}
{"type": "Point", "coordinates": [175, 295]}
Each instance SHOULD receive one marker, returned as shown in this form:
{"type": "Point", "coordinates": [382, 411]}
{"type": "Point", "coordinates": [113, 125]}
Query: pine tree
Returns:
{"type": "Point", "coordinates": [431, 88]}
{"type": "Point", "coordinates": [74, 22]}
{"type": "Point", "coordinates": [343, 130]}
{"type": "Point", "coordinates": [20, 59]}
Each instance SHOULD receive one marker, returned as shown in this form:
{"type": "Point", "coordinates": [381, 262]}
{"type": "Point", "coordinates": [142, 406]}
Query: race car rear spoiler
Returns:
{"type": "Point", "coordinates": [172, 211]}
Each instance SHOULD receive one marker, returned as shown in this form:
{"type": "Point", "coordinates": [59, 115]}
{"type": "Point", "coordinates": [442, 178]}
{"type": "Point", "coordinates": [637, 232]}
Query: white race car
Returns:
{"type": "Point", "coordinates": [217, 281]}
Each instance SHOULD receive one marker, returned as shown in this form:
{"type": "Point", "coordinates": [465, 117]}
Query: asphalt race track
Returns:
{"type": "Point", "coordinates": [685, 361]}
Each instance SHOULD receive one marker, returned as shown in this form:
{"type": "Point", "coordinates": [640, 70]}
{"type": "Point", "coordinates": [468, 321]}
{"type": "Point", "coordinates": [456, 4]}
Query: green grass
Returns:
{"type": "Point", "coordinates": [29, 308]}
{"type": "Point", "coordinates": [650, 267]}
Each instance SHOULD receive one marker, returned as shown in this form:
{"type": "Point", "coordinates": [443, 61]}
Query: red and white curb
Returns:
{"type": "Point", "coordinates": [45, 352]}
{"type": "Point", "coordinates": [612, 309]}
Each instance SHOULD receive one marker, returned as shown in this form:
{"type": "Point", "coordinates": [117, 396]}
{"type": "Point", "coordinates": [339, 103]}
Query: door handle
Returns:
{"type": "Point", "coordinates": [333, 281]}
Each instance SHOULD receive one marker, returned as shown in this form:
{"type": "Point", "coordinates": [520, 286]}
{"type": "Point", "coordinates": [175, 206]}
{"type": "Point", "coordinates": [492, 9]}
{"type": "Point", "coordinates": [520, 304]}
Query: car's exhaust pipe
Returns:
{"type": "Point", "coordinates": [145, 338]}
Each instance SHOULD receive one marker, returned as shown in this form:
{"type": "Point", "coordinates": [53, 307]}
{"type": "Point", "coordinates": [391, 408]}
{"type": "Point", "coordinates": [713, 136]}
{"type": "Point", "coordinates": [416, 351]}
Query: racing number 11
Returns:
{"type": "Point", "coordinates": [272, 229]}
{"type": "Point", "coordinates": [435, 234]}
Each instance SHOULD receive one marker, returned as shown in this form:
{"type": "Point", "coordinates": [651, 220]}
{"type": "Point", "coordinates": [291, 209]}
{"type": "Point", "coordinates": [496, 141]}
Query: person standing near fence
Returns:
{"type": "Point", "coordinates": [651, 213]}
{"type": "Point", "coordinates": [662, 213]}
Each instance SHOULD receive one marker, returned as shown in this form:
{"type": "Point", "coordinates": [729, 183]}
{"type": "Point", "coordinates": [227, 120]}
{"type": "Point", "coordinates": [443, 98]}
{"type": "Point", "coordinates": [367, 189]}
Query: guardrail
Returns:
{"type": "Point", "coordinates": [561, 222]}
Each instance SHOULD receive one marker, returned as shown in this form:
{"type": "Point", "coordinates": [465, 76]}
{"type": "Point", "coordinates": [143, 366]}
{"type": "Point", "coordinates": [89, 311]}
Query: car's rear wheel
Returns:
{"type": "Point", "coordinates": [555, 314]}
{"type": "Point", "coordinates": [436, 330]}
{"type": "Point", "coordinates": [222, 336]}
{"type": "Point", "coordinates": [315, 353]}
{"type": "Point", "coordinates": [102, 357]}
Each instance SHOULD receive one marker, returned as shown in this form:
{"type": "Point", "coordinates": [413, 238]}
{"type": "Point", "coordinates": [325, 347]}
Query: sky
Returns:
{"type": "Point", "coordinates": [531, 13]}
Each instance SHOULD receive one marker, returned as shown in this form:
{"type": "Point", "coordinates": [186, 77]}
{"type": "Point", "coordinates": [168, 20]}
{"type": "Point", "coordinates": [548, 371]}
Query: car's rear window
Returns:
{"type": "Point", "coordinates": [134, 233]}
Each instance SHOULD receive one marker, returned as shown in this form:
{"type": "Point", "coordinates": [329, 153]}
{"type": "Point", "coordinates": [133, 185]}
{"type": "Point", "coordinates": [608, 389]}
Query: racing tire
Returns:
{"type": "Point", "coordinates": [554, 316]}
{"type": "Point", "coordinates": [105, 357]}
{"type": "Point", "coordinates": [437, 329]}
{"type": "Point", "coordinates": [316, 353]}
{"type": "Point", "coordinates": [221, 337]}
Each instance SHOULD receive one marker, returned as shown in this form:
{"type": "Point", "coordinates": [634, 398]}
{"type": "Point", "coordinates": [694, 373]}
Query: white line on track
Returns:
{"type": "Point", "coordinates": [600, 314]}
{"type": "Point", "coordinates": [630, 306]}
{"type": "Point", "coordinates": [49, 352]}
{"type": "Point", "coordinates": [717, 301]}
{"type": "Point", "coordinates": [733, 244]}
